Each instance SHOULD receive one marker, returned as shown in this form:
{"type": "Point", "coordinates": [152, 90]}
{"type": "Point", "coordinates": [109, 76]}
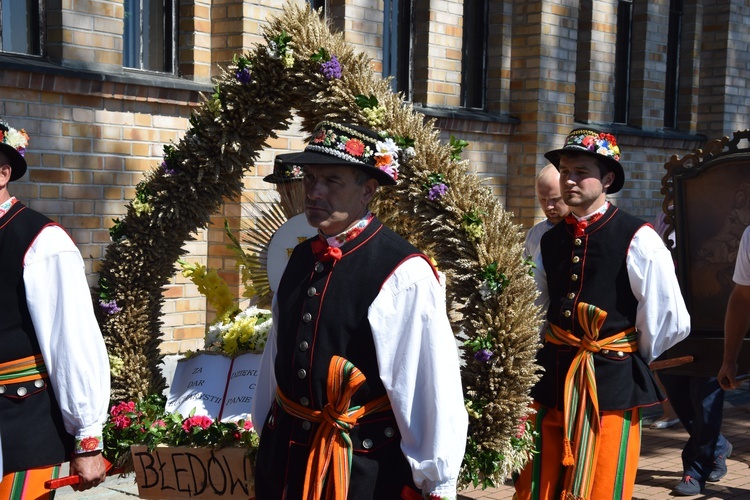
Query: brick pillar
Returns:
{"type": "Point", "coordinates": [88, 38]}
{"type": "Point", "coordinates": [543, 92]}
{"type": "Point", "coordinates": [649, 64]}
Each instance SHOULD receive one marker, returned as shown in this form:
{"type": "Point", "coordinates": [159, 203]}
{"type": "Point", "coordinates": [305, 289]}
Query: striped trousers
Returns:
{"type": "Point", "coordinates": [28, 484]}
{"type": "Point", "coordinates": [615, 463]}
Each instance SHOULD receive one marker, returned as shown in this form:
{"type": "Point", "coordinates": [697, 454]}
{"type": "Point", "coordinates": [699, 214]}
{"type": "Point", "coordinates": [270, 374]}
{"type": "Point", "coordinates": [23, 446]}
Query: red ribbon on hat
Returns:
{"type": "Point", "coordinates": [324, 252]}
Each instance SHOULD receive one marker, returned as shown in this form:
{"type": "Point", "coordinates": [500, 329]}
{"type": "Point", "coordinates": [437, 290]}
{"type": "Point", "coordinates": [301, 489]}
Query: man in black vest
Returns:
{"type": "Point", "coordinates": [613, 305]}
{"type": "Point", "coordinates": [54, 370]}
{"type": "Point", "coordinates": [359, 394]}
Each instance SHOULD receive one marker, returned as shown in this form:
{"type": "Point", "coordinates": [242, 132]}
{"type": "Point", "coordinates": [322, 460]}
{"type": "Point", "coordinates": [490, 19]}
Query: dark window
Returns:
{"type": "Point", "coordinates": [474, 56]}
{"type": "Point", "coordinates": [397, 45]}
{"type": "Point", "coordinates": [672, 90]}
{"type": "Point", "coordinates": [319, 4]}
{"type": "Point", "coordinates": [624, 42]}
{"type": "Point", "coordinates": [21, 26]}
{"type": "Point", "coordinates": [150, 35]}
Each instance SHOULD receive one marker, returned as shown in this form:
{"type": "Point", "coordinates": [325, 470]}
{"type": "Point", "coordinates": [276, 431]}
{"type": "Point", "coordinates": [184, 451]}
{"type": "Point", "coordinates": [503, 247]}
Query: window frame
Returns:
{"type": "Point", "coordinates": [623, 63]}
{"type": "Point", "coordinates": [170, 48]}
{"type": "Point", "coordinates": [398, 45]}
{"type": "Point", "coordinates": [475, 51]}
{"type": "Point", "coordinates": [40, 37]}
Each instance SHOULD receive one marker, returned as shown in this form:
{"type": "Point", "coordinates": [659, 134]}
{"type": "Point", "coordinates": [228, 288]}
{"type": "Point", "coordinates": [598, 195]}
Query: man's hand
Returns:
{"type": "Point", "coordinates": [90, 468]}
{"type": "Point", "coordinates": [728, 376]}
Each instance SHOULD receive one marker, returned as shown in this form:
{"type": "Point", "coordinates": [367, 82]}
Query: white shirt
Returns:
{"type": "Point", "coordinates": [742, 266]}
{"type": "Point", "coordinates": [534, 237]}
{"type": "Point", "coordinates": [662, 320]}
{"type": "Point", "coordinates": [72, 346]}
{"type": "Point", "coordinates": [419, 367]}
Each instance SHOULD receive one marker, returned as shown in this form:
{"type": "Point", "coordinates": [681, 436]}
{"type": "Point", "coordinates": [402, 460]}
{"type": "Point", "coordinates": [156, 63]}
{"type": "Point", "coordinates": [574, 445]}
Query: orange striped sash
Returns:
{"type": "Point", "coordinates": [580, 399]}
{"type": "Point", "coordinates": [23, 370]}
{"type": "Point", "coordinates": [331, 452]}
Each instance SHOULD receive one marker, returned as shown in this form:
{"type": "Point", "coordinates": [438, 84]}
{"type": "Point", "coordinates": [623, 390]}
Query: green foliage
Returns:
{"type": "Point", "coordinates": [457, 146]}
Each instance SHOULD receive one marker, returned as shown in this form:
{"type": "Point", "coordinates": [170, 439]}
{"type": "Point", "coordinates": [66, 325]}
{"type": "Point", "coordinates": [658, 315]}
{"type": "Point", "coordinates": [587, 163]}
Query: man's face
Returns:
{"type": "Point", "coordinates": [581, 182]}
{"type": "Point", "coordinates": [550, 199]}
{"type": "Point", "coordinates": [333, 199]}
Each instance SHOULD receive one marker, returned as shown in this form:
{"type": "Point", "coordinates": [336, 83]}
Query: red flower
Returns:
{"type": "Point", "coordinates": [201, 421]}
{"type": "Point", "coordinates": [89, 444]}
{"type": "Point", "coordinates": [354, 147]}
{"type": "Point", "coordinates": [320, 136]}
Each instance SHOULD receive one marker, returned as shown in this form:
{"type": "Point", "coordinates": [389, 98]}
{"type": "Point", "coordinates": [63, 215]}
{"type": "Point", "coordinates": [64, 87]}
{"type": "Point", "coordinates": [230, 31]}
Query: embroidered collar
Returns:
{"type": "Point", "coordinates": [340, 239]}
{"type": "Point", "coordinates": [6, 206]}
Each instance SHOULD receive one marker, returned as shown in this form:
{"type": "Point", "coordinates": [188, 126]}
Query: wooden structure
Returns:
{"type": "Point", "coordinates": [706, 209]}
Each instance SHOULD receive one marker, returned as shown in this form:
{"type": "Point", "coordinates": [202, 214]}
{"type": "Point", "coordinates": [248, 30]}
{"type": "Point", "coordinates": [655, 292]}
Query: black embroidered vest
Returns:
{"type": "Point", "coordinates": [592, 269]}
{"type": "Point", "coordinates": [323, 312]}
{"type": "Point", "coordinates": [31, 424]}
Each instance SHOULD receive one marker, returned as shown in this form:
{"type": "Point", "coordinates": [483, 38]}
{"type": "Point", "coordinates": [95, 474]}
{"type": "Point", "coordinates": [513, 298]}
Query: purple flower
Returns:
{"type": "Point", "coordinates": [110, 307]}
{"type": "Point", "coordinates": [331, 69]}
{"type": "Point", "coordinates": [437, 191]}
{"type": "Point", "coordinates": [483, 355]}
{"type": "Point", "coordinates": [167, 169]}
{"type": "Point", "coordinates": [243, 75]}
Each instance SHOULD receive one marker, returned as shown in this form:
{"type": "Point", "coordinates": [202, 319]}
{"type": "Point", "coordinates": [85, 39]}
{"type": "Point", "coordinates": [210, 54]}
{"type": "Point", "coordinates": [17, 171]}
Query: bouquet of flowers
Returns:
{"type": "Point", "coordinates": [146, 423]}
{"type": "Point", "coordinates": [234, 331]}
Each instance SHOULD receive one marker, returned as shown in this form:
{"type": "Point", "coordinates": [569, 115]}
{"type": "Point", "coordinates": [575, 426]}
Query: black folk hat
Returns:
{"type": "Point", "coordinates": [284, 172]}
{"type": "Point", "coordinates": [348, 145]}
{"type": "Point", "coordinates": [600, 145]}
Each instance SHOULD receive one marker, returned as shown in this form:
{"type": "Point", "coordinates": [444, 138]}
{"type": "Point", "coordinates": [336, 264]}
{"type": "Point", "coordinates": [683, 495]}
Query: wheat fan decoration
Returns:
{"type": "Point", "coordinates": [304, 70]}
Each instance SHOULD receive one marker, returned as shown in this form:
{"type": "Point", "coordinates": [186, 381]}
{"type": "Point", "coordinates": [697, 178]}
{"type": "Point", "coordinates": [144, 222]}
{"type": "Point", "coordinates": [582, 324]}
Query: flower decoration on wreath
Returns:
{"type": "Point", "coordinates": [302, 66]}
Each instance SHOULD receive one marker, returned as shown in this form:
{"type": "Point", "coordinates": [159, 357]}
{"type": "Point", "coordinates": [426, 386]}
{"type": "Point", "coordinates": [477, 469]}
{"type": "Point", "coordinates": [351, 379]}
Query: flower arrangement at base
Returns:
{"type": "Point", "coordinates": [145, 422]}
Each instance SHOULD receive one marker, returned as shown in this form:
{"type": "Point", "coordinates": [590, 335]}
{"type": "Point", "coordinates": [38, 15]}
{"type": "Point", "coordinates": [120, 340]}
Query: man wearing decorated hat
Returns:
{"type": "Point", "coordinates": [54, 370]}
{"type": "Point", "coordinates": [359, 394]}
{"type": "Point", "coordinates": [612, 304]}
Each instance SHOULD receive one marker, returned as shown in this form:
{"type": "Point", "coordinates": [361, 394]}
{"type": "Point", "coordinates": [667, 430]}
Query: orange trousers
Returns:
{"type": "Point", "coordinates": [615, 466]}
{"type": "Point", "coordinates": [29, 484]}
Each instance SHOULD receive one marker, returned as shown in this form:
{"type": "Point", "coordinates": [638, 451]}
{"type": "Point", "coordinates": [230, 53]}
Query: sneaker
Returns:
{"type": "Point", "coordinates": [720, 465]}
{"type": "Point", "coordinates": [688, 486]}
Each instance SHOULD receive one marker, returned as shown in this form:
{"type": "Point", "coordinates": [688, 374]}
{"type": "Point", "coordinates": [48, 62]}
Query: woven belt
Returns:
{"type": "Point", "coordinates": [580, 399]}
{"type": "Point", "coordinates": [331, 444]}
{"type": "Point", "coordinates": [23, 370]}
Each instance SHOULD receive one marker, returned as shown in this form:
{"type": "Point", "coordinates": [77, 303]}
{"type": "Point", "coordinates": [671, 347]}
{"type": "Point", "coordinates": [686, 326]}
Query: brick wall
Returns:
{"type": "Point", "coordinates": [96, 128]}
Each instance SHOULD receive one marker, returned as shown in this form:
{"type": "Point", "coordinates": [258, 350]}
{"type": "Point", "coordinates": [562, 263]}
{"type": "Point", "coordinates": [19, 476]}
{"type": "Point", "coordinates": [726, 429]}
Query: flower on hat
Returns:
{"type": "Point", "coordinates": [17, 139]}
{"type": "Point", "coordinates": [595, 142]}
{"type": "Point", "coordinates": [386, 157]}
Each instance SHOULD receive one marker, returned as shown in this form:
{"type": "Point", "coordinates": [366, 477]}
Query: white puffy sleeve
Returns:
{"type": "Point", "coordinates": [419, 367]}
{"type": "Point", "coordinates": [662, 319]}
{"type": "Point", "coordinates": [61, 308]}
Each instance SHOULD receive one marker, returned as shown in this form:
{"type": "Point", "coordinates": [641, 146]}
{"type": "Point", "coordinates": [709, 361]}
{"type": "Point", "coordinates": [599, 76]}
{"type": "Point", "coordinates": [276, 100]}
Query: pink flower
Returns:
{"type": "Point", "coordinates": [159, 423]}
{"type": "Point", "coordinates": [201, 421]}
{"type": "Point", "coordinates": [248, 425]}
{"type": "Point", "coordinates": [121, 422]}
{"type": "Point", "coordinates": [122, 407]}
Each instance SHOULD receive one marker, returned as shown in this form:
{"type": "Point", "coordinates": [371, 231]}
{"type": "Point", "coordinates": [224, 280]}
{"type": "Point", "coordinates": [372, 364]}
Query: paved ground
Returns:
{"type": "Point", "coordinates": [659, 469]}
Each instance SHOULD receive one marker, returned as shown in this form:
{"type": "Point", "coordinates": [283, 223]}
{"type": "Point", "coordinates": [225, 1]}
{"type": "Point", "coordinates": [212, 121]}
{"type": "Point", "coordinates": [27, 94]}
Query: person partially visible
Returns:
{"type": "Point", "coordinates": [613, 304]}
{"type": "Point", "coordinates": [552, 204]}
{"type": "Point", "coordinates": [698, 403]}
{"type": "Point", "coordinates": [287, 179]}
{"type": "Point", "coordinates": [737, 318]}
{"type": "Point", "coordinates": [54, 369]}
{"type": "Point", "coordinates": [359, 391]}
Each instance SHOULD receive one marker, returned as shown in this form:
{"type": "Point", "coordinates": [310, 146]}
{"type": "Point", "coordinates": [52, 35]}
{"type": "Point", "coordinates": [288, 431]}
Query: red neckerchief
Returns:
{"type": "Point", "coordinates": [324, 252]}
{"type": "Point", "coordinates": [580, 225]}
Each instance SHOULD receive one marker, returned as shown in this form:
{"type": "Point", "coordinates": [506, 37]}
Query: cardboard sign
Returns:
{"type": "Point", "coordinates": [215, 385]}
{"type": "Point", "coordinates": [183, 472]}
